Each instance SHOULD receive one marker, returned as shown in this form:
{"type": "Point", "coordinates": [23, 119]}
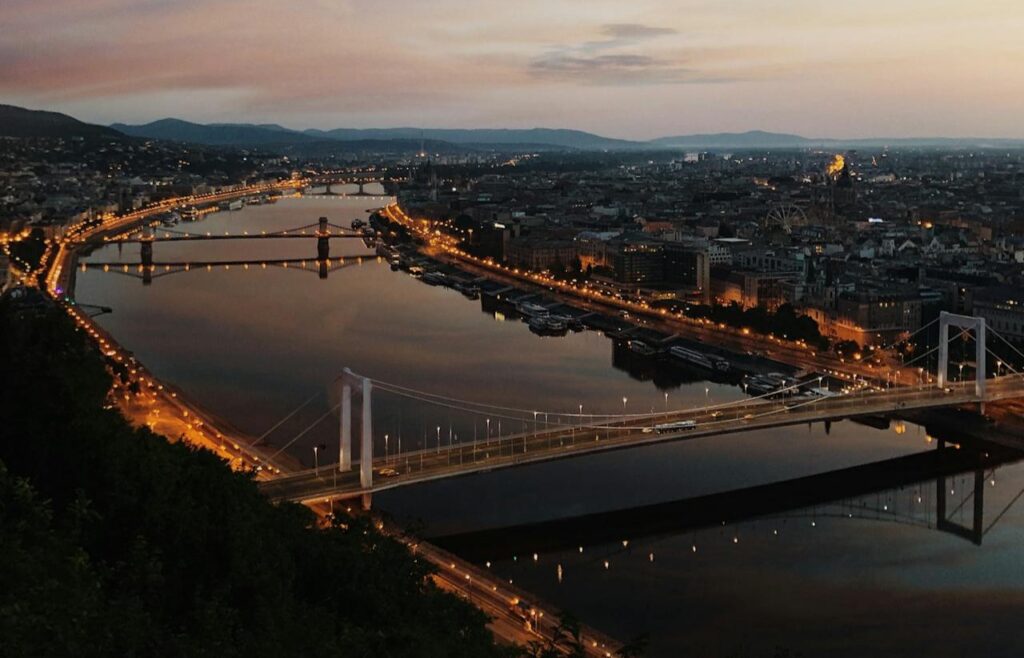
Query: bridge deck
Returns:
{"type": "Point", "coordinates": [563, 442]}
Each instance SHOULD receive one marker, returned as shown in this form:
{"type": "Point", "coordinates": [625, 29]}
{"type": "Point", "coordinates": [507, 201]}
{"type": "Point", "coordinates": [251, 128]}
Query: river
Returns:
{"type": "Point", "coordinates": [253, 344]}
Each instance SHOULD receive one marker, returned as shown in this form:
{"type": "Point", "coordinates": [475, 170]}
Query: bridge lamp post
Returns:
{"type": "Point", "coordinates": [961, 372]}
{"type": "Point", "coordinates": [534, 423]}
{"type": "Point", "coordinates": [385, 448]}
{"type": "Point", "coordinates": [439, 439]}
{"type": "Point", "coordinates": [316, 460]}
{"type": "Point", "coordinates": [666, 402]}
{"type": "Point", "coordinates": [624, 400]}
{"type": "Point", "coordinates": [488, 437]}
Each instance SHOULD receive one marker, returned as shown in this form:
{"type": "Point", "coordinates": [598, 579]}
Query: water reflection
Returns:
{"type": "Point", "coordinates": [896, 570]}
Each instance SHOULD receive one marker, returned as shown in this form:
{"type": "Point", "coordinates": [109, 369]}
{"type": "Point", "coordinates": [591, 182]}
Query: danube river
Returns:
{"type": "Point", "coordinates": [877, 569]}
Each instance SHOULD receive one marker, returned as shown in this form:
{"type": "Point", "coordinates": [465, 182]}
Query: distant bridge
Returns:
{"type": "Point", "coordinates": [322, 231]}
{"type": "Point", "coordinates": [327, 180]}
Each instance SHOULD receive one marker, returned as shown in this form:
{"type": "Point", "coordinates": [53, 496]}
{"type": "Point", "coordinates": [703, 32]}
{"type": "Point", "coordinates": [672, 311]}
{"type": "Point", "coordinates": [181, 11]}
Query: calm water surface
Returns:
{"type": "Point", "coordinates": [253, 344]}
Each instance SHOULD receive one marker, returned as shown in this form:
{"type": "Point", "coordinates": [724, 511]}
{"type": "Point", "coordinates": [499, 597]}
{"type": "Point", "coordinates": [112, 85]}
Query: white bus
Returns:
{"type": "Point", "coordinates": [672, 427]}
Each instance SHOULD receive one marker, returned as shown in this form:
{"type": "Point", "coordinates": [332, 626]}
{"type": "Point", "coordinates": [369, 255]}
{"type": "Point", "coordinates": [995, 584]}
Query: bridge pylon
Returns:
{"type": "Point", "coordinates": [366, 449]}
{"type": "Point", "coordinates": [323, 240]}
{"type": "Point", "coordinates": [347, 380]}
{"type": "Point", "coordinates": [969, 323]}
{"type": "Point", "coordinates": [345, 439]}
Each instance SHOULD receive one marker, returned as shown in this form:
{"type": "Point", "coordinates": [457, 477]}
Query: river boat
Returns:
{"type": "Point", "coordinates": [698, 358]}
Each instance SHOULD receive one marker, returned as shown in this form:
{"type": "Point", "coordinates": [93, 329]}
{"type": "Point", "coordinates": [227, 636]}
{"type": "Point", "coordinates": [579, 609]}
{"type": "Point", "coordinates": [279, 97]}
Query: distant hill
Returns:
{"type": "Point", "coordinates": [759, 139]}
{"type": "Point", "coordinates": [22, 122]}
{"type": "Point", "coordinates": [215, 134]}
{"type": "Point", "coordinates": [746, 140]}
{"type": "Point", "coordinates": [233, 134]}
{"type": "Point", "coordinates": [312, 141]}
{"type": "Point", "coordinates": [564, 138]}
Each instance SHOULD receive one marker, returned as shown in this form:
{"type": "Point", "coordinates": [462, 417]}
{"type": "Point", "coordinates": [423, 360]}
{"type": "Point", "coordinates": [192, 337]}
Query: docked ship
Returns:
{"type": "Point", "coordinates": [190, 214]}
{"type": "Point", "coordinates": [531, 310]}
{"type": "Point", "coordinates": [640, 347]}
{"type": "Point", "coordinates": [697, 358]}
{"type": "Point", "coordinates": [237, 204]}
{"type": "Point", "coordinates": [547, 326]}
{"type": "Point", "coordinates": [435, 279]}
{"type": "Point", "coordinates": [768, 383]}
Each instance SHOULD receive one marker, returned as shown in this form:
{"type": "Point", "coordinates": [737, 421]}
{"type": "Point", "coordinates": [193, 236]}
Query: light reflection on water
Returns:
{"type": "Point", "coordinates": [253, 344]}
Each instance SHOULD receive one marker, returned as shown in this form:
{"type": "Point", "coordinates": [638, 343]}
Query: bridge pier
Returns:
{"type": "Point", "coordinates": [146, 256]}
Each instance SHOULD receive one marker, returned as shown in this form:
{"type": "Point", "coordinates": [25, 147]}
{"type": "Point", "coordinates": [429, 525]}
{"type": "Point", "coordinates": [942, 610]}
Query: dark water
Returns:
{"type": "Point", "coordinates": [253, 344]}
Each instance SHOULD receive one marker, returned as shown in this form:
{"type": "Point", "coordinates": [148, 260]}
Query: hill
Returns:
{"type": "Point", "coordinates": [117, 542]}
{"type": "Point", "coordinates": [448, 140]}
{"type": "Point", "coordinates": [216, 134]}
{"type": "Point", "coordinates": [563, 138]}
{"type": "Point", "coordinates": [21, 122]}
{"type": "Point", "coordinates": [746, 140]}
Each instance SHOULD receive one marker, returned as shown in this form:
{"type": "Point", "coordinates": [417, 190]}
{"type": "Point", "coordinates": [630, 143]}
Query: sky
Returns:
{"type": "Point", "coordinates": [638, 69]}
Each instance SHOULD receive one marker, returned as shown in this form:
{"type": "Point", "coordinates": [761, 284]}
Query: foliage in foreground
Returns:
{"type": "Point", "coordinates": [115, 542]}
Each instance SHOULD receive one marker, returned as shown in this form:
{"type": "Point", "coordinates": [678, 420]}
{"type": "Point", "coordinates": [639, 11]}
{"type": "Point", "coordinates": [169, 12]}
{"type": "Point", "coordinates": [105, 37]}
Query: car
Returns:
{"type": "Point", "coordinates": [387, 472]}
{"type": "Point", "coordinates": [716, 414]}
{"type": "Point", "coordinates": [748, 417]}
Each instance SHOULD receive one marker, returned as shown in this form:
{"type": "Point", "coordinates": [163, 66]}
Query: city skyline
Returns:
{"type": "Point", "coordinates": [645, 70]}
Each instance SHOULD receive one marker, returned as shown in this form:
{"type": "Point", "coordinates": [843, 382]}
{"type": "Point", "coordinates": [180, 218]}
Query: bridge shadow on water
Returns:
{"type": "Point", "coordinates": [691, 514]}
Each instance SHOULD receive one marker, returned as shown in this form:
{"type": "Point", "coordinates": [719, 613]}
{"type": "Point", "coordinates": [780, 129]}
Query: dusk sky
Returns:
{"type": "Point", "coordinates": [637, 69]}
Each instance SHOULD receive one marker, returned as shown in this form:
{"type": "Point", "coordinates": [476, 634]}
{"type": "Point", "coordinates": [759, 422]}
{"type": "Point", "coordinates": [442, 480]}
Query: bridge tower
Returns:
{"type": "Point", "coordinates": [366, 449]}
{"type": "Point", "coordinates": [969, 323]}
{"type": "Point", "coordinates": [347, 379]}
{"type": "Point", "coordinates": [323, 240]}
{"type": "Point", "coordinates": [345, 440]}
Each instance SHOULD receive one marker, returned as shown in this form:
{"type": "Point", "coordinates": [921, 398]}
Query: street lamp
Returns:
{"type": "Point", "coordinates": [624, 399]}
{"type": "Point", "coordinates": [316, 458]}
{"type": "Point", "coordinates": [438, 439]}
{"type": "Point", "coordinates": [385, 448]}
{"type": "Point", "coordinates": [666, 401]}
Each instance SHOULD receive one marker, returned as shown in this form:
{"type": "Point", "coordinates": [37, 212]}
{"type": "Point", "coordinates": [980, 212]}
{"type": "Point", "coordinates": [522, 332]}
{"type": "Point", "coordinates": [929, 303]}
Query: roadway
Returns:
{"type": "Point", "coordinates": [565, 441]}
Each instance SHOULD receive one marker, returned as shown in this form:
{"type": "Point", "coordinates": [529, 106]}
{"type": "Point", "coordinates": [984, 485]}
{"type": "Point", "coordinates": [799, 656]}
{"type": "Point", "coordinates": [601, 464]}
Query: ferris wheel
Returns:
{"type": "Point", "coordinates": [785, 216]}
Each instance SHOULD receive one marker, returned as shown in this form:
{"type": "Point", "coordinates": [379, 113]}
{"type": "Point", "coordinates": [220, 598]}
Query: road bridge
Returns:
{"type": "Point", "coordinates": [575, 434]}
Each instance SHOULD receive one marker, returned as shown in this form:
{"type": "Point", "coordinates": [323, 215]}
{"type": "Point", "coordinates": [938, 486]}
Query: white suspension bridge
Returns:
{"type": "Point", "coordinates": [562, 434]}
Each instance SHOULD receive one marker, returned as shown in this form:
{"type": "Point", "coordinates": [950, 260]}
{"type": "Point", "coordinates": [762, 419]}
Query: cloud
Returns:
{"type": "Point", "coordinates": [634, 31]}
{"type": "Point", "coordinates": [615, 69]}
{"type": "Point", "coordinates": [615, 60]}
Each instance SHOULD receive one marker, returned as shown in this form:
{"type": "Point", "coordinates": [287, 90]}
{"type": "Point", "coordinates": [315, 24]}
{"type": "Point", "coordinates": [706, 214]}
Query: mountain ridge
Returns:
{"type": "Point", "coordinates": [240, 134]}
{"type": "Point", "coordinates": [22, 122]}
